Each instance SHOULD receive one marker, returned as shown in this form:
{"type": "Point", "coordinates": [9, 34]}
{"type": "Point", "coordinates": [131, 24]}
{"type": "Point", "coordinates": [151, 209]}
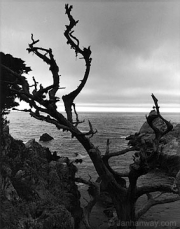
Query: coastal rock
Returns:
{"type": "Point", "coordinates": [158, 122]}
{"type": "Point", "coordinates": [50, 216]}
{"type": "Point", "coordinates": [172, 141]}
{"type": "Point", "coordinates": [37, 191]}
{"type": "Point", "coordinates": [7, 186]}
{"type": "Point", "coordinates": [45, 137]}
{"type": "Point", "coordinates": [169, 158]}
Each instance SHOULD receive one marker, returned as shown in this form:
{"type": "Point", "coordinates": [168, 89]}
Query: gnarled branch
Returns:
{"type": "Point", "coordinates": [86, 53]}
{"type": "Point", "coordinates": [49, 120]}
{"type": "Point", "coordinates": [51, 62]}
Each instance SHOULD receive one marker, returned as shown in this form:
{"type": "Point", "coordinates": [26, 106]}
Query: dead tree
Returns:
{"type": "Point", "coordinates": [42, 102]}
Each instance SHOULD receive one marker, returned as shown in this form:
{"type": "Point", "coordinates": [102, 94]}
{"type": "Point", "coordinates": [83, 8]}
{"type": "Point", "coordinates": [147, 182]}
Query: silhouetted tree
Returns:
{"type": "Point", "coordinates": [42, 101]}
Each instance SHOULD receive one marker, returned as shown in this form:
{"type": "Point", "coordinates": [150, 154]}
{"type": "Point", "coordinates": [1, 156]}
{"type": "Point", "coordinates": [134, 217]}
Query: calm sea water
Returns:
{"type": "Point", "coordinates": [113, 126]}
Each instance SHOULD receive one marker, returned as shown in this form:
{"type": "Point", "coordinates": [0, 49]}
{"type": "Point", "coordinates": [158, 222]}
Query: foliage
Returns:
{"type": "Point", "coordinates": [9, 82]}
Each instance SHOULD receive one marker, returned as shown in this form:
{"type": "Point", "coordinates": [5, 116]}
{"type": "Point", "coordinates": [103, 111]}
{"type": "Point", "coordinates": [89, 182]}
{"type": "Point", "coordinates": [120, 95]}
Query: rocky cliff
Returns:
{"type": "Point", "coordinates": [36, 191]}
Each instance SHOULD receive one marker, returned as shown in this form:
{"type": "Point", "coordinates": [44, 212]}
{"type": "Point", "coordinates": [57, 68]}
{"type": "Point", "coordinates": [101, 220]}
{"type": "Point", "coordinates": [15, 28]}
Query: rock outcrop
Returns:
{"type": "Point", "coordinates": [37, 192]}
{"type": "Point", "coordinates": [169, 158]}
{"type": "Point", "coordinates": [45, 137]}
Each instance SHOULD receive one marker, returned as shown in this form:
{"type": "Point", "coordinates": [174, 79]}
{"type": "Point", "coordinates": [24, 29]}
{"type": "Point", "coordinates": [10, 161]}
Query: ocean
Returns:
{"type": "Point", "coordinates": [112, 126]}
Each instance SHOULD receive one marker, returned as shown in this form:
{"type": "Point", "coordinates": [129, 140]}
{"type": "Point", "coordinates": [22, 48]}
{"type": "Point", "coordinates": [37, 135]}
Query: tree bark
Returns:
{"type": "Point", "coordinates": [125, 209]}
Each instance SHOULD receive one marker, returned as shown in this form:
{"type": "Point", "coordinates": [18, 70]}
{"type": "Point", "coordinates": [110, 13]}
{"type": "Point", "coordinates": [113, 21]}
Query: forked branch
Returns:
{"type": "Point", "coordinates": [152, 202]}
{"type": "Point", "coordinates": [47, 56]}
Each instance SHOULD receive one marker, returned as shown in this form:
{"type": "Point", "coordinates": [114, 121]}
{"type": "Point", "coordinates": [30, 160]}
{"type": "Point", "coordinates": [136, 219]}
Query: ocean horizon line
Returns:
{"type": "Point", "coordinates": [106, 111]}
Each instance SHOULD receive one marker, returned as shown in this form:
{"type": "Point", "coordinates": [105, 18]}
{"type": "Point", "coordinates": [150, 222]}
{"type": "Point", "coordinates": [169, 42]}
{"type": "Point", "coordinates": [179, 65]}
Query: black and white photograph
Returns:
{"type": "Point", "coordinates": [90, 114]}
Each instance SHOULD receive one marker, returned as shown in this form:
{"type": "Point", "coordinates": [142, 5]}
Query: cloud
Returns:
{"type": "Point", "coordinates": [135, 47]}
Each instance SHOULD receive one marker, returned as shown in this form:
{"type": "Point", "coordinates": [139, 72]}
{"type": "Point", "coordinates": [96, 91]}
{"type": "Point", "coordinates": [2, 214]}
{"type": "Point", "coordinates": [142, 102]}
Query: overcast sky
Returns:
{"type": "Point", "coordinates": [135, 49]}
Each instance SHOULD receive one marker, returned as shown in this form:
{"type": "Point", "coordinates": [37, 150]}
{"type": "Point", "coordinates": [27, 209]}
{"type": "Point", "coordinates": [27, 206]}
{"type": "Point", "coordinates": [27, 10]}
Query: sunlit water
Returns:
{"type": "Point", "coordinates": [113, 126]}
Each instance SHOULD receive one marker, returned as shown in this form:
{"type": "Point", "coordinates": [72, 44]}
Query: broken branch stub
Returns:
{"type": "Point", "coordinates": [152, 119]}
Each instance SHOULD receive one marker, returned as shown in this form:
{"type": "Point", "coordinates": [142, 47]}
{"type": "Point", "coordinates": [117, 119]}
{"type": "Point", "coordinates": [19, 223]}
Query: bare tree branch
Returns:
{"type": "Point", "coordinates": [94, 191]}
{"type": "Point", "coordinates": [24, 110]}
{"type": "Point", "coordinates": [154, 188]}
{"type": "Point", "coordinates": [35, 84]}
{"type": "Point", "coordinates": [53, 66]}
{"type": "Point", "coordinates": [107, 147]}
{"type": "Point", "coordinates": [91, 132]}
{"type": "Point", "coordinates": [118, 153]}
{"type": "Point", "coordinates": [86, 53]}
{"type": "Point", "coordinates": [25, 94]}
{"type": "Point", "coordinates": [152, 202]}
{"type": "Point", "coordinates": [49, 120]}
